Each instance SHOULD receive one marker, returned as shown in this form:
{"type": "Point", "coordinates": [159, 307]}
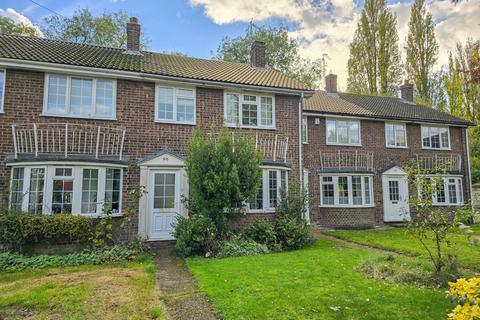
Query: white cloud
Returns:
{"type": "Point", "coordinates": [19, 18]}
{"type": "Point", "coordinates": [327, 26]}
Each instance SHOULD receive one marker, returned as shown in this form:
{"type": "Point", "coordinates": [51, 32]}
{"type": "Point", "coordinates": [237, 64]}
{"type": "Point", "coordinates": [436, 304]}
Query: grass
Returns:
{"type": "Point", "coordinates": [119, 291]}
{"type": "Point", "coordinates": [320, 282]}
{"type": "Point", "coordinates": [397, 239]}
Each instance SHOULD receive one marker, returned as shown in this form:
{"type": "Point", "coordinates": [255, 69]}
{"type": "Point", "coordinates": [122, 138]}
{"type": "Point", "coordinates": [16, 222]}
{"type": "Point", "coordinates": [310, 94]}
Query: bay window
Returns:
{"type": "Point", "coordinates": [51, 189]}
{"type": "Point", "coordinates": [175, 105]}
{"type": "Point", "coordinates": [273, 182]}
{"type": "Point", "coordinates": [343, 132]}
{"type": "Point", "coordinates": [249, 110]}
{"type": "Point", "coordinates": [396, 135]}
{"type": "Point", "coordinates": [447, 191]}
{"type": "Point", "coordinates": [435, 137]}
{"type": "Point", "coordinates": [346, 191]}
{"type": "Point", "coordinates": [72, 96]}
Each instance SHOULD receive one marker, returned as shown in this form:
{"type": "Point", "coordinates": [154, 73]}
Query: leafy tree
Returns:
{"type": "Point", "coordinates": [223, 173]}
{"type": "Point", "coordinates": [422, 48]}
{"type": "Point", "coordinates": [282, 53]}
{"type": "Point", "coordinates": [374, 65]}
{"type": "Point", "coordinates": [8, 26]}
{"type": "Point", "coordinates": [109, 29]}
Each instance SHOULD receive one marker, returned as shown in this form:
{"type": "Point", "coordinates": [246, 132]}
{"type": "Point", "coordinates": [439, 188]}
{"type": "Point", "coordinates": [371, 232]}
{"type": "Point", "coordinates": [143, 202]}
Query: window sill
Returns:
{"type": "Point", "coordinates": [261, 211]}
{"type": "Point", "coordinates": [304, 142]}
{"type": "Point", "coordinates": [346, 206]}
{"type": "Point", "coordinates": [343, 145]}
{"type": "Point", "coordinates": [77, 117]}
{"type": "Point", "coordinates": [447, 204]}
{"type": "Point", "coordinates": [250, 127]}
{"type": "Point", "coordinates": [395, 147]}
{"type": "Point", "coordinates": [437, 149]}
{"type": "Point", "coordinates": [96, 215]}
{"type": "Point", "coordinates": [175, 122]}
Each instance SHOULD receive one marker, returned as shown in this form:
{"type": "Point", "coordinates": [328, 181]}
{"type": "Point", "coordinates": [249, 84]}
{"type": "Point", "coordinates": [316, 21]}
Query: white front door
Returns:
{"type": "Point", "coordinates": [164, 203]}
{"type": "Point", "coordinates": [395, 198]}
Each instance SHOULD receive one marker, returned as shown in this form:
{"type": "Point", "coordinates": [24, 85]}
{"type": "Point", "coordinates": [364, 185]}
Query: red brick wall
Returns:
{"type": "Point", "coordinates": [135, 113]}
{"type": "Point", "coordinates": [373, 140]}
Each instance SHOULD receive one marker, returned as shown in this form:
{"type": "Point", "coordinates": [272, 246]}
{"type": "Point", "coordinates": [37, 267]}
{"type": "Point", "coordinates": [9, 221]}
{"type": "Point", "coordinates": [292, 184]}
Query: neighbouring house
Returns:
{"type": "Point", "coordinates": [83, 125]}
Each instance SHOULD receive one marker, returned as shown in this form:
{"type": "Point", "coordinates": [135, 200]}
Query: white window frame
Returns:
{"type": "Point", "coordinates": [77, 177]}
{"type": "Point", "coordinates": [68, 113]}
{"type": "Point", "coordinates": [438, 127]}
{"type": "Point", "coordinates": [337, 143]}
{"type": "Point", "coordinates": [175, 96]}
{"type": "Point", "coordinates": [258, 103]}
{"type": "Point", "coordinates": [265, 189]}
{"type": "Point", "coordinates": [458, 190]}
{"type": "Point", "coordinates": [304, 130]}
{"type": "Point", "coordinates": [2, 98]}
{"type": "Point", "coordinates": [350, 204]}
{"type": "Point", "coordinates": [395, 146]}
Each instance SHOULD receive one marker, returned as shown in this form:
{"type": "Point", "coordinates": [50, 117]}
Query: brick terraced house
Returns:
{"type": "Point", "coordinates": [82, 125]}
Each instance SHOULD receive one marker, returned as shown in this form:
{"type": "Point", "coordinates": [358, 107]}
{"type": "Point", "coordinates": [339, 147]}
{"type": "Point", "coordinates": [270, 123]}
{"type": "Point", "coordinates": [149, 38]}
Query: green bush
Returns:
{"type": "Point", "coordinates": [293, 234]}
{"type": "Point", "coordinates": [262, 232]}
{"type": "Point", "coordinates": [195, 235]}
{"type": "Point", "coordinates": [19, 229]}
{"type": "Point", "coordinates": [241, 247]}
{"type": "Point", "coordinates": [15, 262]}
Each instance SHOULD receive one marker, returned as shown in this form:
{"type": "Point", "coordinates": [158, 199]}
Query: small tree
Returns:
{"type": "Point", "coordinates": [224, 173]}
{"type": "Point", "coordinates": [430, 224]}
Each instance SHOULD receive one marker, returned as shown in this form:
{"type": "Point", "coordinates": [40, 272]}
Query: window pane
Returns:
{"type": "Point", "coordinates": [400, 136]}
{"type": "Point", "coordinates": [444, 137]}
{"type": "Point", "coordinates": [425, 137]}
{"type": "Point", "coordinates": [394, 190]}
{"type": "Point", "coordinates": [62, 196]}
{"type": "Point", "coordinates": [440, 188]}
{"type": "Point", "coordinates": [354, 132]}
{"type": "Point", "coordinates": [304, 130]}
{"type": "Point", "coordinates": [249, 114]}
{"type": "Point", "coordinates": [2, 83]}
{"type": "Point", "coordinates": [434, 137]}
{"type": "Point", "coordinates": [112, 190]}
{"type": "Point", "coordinates": [185, 92]}
{"type": "Point", "coordinates": [232, 108]}
{"type": "Point", "coordinates": [368, 199]}
{"type": "Point", "coordinates": [272, 188]}
{"type": "Point", "coordinates": [16, 189]}
{"type": "Point", "coordinates": [164, 191]}
{"type": "Point", "coordinates": [81, 96]}
{"type": "Point", "coordinates": [165, 103]}
{"type": "Point", "coordinates": [328, 195]}
{"type": "Point", "coordinates": [266, 108]}
{"type": "Point", "coordinates": [331, 131]}
{"type": "Point", "coordinates": [56, 95]}
{"type": "Point", "coordinates": [342, 190]}
{"type": "Point", "coordinates": [390, 135]}
{"type": "Point", "coordinates": [452, 191]}
{"type": "Point", "coordinates": [357, 190]}
{"type": "Point", "coordinates": [104, 98]}
{"type": "Point", "coordinates": [460, 191]}
{"type": "Point", "coordinates": [185, 110]}
{"type": "Point", "coordinates": [89, 190]}
{"type": "Point", "coordinates": [35, 196]}
{"type": "Point", "coordinates": [258, 203]}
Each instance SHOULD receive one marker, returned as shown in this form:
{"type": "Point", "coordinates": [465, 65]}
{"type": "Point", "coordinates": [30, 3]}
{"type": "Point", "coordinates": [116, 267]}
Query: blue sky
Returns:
{"type": "Point", "coordinates": [195, 27]}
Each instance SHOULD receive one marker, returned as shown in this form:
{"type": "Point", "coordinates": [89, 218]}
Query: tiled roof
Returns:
{"type": "Point", "coordinates": [376, 107]}
{"type": "Point", "coordinates": [53, 51]}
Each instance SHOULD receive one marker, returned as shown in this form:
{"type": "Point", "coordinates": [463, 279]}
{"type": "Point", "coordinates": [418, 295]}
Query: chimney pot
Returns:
{"type": "Point", "coordinates": [331, 83]}
{"type": "Point", "coordinates": [257, 55]}
{"type": "Point", "coordinates": [133, 35]}
{"type": "Point", "coordinates": [406, 91]}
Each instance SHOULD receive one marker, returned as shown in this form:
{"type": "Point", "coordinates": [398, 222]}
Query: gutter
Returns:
{"type": "Point", "coordinates": [469, 168]}
{"type": "Point", "coordinates": [300, 157]}
{"type": "Point", "coordinates": [134, 75]}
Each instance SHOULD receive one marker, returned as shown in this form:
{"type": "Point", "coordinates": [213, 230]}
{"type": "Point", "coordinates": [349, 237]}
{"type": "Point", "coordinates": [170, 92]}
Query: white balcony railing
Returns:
{"type": "Point", "coordinates": [449, 162]}
{"type": "Point", "coordinates": [274, 147]}
{"type": "Point", "coordinates": [67, 139]}
{"type": "Point", "coordinates": [346, 160]}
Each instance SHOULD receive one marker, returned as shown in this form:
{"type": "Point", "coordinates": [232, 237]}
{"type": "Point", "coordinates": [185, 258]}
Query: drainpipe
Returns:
{"type": "Point", "coordinates": [469, 168]}
{"type": "Point", "coordinates": [300, 157]}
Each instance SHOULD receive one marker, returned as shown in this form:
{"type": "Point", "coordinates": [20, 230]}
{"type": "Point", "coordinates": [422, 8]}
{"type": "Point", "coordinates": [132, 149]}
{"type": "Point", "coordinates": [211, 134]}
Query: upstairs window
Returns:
{"type": "Point", "coordinates": [435, 137]}
{"type": "Point", "coordinates": [250, 111]}
{"type": "Point", "coordinates": [304, 130]}
{"type": "Point", "coordinates": [2, 89]}
{"type": "Point", "coordinates": [79, 97]}
{"type": "Point", "coordinates": [343, 132]}
{"type": "Point", "coordinates": [175, 105]}
{"type": "Point", "coordinates": [396, 135]}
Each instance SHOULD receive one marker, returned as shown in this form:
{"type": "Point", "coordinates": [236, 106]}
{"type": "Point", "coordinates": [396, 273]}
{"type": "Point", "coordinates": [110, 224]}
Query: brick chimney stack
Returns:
{"type": "Point", "coordinates": [331, 83]}
{"type": "Point", "coordinates": [406, 91]}
{"type": "Point", "coordinates": [133, 35]}
{"type": "Point", "coordinates": [257, 55]}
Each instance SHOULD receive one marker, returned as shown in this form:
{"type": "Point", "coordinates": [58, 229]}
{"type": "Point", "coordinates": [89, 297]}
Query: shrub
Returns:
{"type": "Point", "coordinates": [19, 229]}
{"type": "Point", "coordinates": [293, 234]}
{"type": "Point", "coordinates": [466, 293]}
{"type": "Point", "coordinates": [241, 247]}
{"type": "Point", "coordinates": [262, 232]}
{"type": "Point", "coordinates": [15, 262]}
{"type": "Point", "coordinates": [195, 235]}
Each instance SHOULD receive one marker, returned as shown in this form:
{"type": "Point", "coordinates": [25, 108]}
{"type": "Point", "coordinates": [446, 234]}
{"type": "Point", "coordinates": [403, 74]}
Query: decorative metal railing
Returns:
{"type": "Point", "coordinates": [67, 139]}
{"type": "Point", "coordinates": [346, 160]}
{"type": "Point", "coordinates": [448, 162]}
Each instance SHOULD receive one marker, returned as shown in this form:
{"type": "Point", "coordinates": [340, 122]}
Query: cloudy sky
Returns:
{"type": "Point", "coordinates": [195, 27]}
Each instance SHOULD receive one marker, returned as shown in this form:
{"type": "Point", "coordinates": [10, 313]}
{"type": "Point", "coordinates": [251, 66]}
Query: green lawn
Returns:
{"type": "Point", "coordinates": [120, 291]}
{"type": "Point", "coordinates": [315, 283]}
{"type": "Point", "coordinates": [398, 240]}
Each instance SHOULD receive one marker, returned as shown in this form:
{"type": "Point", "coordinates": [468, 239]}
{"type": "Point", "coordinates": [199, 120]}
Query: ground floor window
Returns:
{"type": "Point", "coordinates": [52, 189]}
{"type": "Point", "coordinates": [346, 190]}
{"type": "Point", "coordinates": [269, 192]}
{"type": "Point", "coordinates": [447, 191]}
